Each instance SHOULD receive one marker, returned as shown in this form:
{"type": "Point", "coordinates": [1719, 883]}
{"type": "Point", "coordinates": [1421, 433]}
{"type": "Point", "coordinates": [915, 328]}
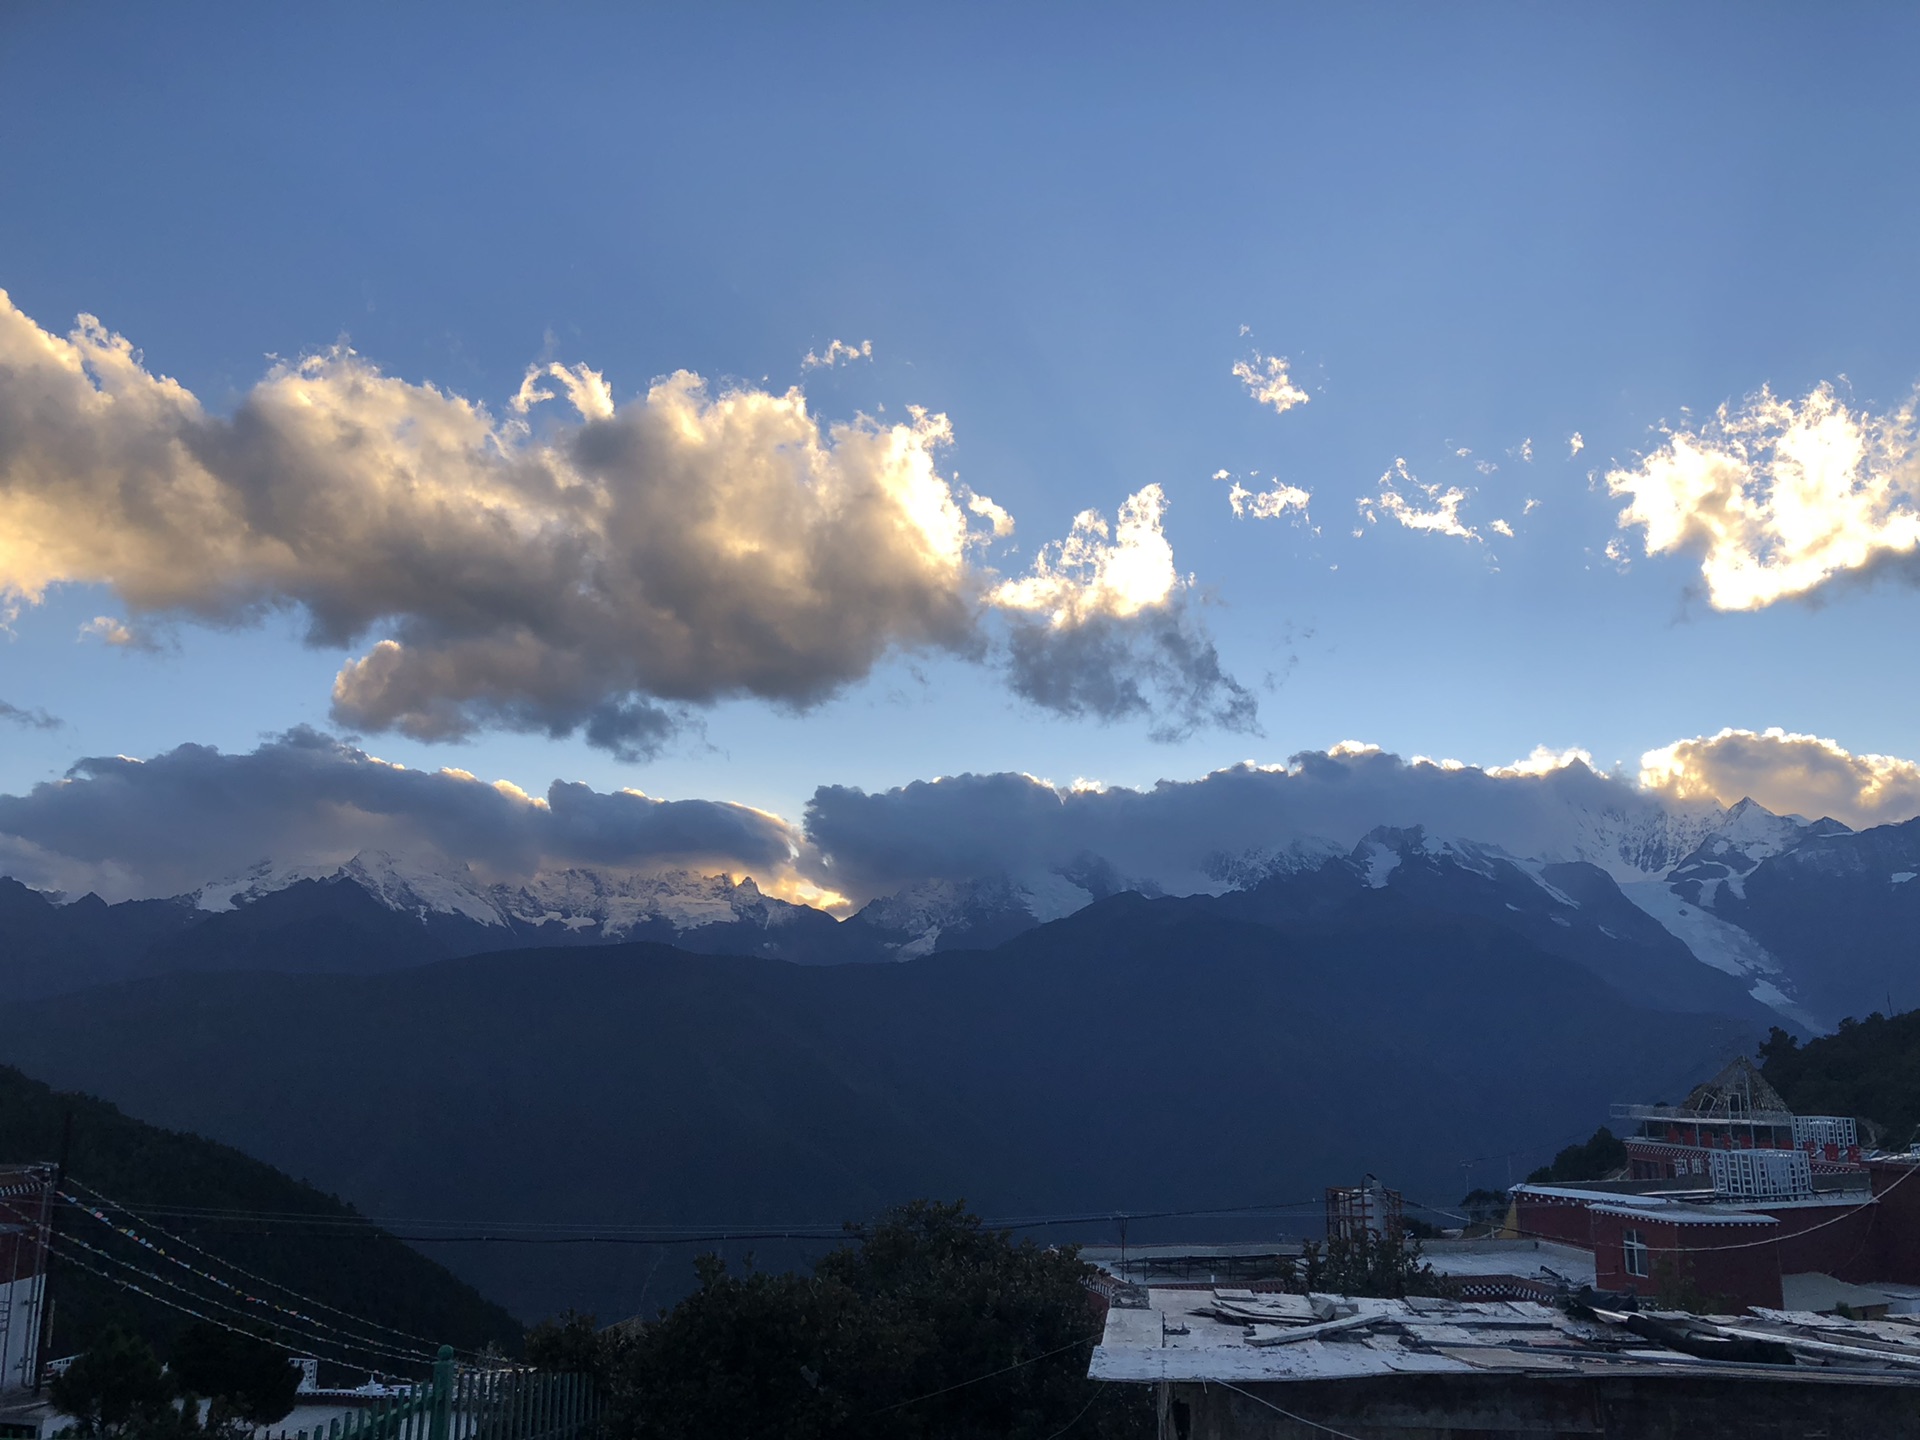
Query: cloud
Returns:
{"type": "Point", "coordinates": [125, 827]}
{"type": "Point", "coordinates": [1779, 497]}
{"type": "Point", "coordinates": [1787, 773]}
{"type": "Point", "coordinates": [597, 571]}
{"type": "Point", "coordinates": [838, 353]}
{"type": "Point", "coordinates": [1575, 444]}
{"type": "Point", "coordinates": [1186, 836]}
{"type": "Point", "coordinates": [993, 514]}
{"type": "Point", "coordinates": [1267, 381]}
{"type": "Point", "coordinates": [1501, 527]}
{"type": "Point", "coordinates": [1103, 625]}
{"type": "Point", "coordinates": [109, 631]}
{"type": "Point", "coordinates": [1269, 504]}
{"type": "Point", "coordinates": [29, 719]}
{"type": "Point", "coordinates": [1544, 761]}
{"type": "Point", "coordinates": [1442, 517]}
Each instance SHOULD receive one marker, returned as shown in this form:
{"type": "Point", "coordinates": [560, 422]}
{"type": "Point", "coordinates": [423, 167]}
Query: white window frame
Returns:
{"type": "Point", "coordinates": [1635, 1254]}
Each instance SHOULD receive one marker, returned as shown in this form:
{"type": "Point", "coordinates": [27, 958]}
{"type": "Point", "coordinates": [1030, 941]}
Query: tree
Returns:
{"type": "Point", "coordinates": [1869, 1069]}
{"type": "Point", "coordinates": [249, 1382]}
{"type": "Point", "coordinates": [118, 1388]}
{"type": "Point", "coordinates": [925, 1324]}
{"type": "Point", "coordinates": [1370, 1264]}
{"type": "Point", "coordinates": [1485, 1207]}
{"type": "Point", "coordinates": [1598, 1158]}
{"type": "Point", "coordinates": [574, 1344]}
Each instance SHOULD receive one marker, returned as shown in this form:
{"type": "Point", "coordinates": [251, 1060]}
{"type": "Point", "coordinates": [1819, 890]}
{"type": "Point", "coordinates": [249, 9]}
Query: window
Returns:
{"type": "Point", "coordinates": [1634, 1245]}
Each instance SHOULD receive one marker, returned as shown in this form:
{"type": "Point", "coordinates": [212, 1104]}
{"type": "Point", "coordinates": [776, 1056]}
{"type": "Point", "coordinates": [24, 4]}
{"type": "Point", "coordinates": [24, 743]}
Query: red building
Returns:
{"type": "Point", "coordinates": [1729, 1194]}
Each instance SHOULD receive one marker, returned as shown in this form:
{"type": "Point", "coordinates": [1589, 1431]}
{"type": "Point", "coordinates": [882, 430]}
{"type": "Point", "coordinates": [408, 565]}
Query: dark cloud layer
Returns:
{"type": "Point", "coordinates": [1187, 835]}
{"type": "Point", "coordinates": [173, 822]}
{"type": "Point", "coordinates": [165, 825]}
{"type": "Point", "coordinates": [30, 719]}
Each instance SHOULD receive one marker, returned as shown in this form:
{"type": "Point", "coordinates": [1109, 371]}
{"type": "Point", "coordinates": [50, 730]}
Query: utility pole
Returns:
{"type": "Point", "coordinates": [45, 1317]}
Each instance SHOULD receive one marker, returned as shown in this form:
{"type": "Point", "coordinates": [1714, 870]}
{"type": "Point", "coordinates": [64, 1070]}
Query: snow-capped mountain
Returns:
{"type": "Point", "coordinates": [618, 905]}
{"type": "Point", "coordinates": [414, 887]}
{"type": "Point", "coordinates": [610, 903]}
{"type": "Point", "coordinates": [1696, 905]}
{"type": "Point", "coordinates": [964, 914]}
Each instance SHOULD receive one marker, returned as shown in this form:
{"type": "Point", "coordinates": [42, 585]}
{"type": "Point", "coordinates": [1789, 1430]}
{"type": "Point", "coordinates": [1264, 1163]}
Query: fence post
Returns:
{"type": "Point", "coordinates": [442, 1395]}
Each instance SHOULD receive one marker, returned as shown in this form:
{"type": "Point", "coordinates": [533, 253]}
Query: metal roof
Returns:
{"type": "Point", "coordinates": [1238, 1336]}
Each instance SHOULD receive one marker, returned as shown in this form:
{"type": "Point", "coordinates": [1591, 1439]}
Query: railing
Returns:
{"type": "Point", "coordinates": [467, 1404]}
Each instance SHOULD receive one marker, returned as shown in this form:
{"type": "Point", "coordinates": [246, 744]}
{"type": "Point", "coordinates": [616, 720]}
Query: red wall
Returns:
{"type": "Point", "coordinates": [1545, 1217]}
{"type": "Point", "coordinates": [1843, 1241]}
{"type": "Point", "coordinates": [1722, 1260]}
{"type": "Point", "coordinates": [1896, 1186]}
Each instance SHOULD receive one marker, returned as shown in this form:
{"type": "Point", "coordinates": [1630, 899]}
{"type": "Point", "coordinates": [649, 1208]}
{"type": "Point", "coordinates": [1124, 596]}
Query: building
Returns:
{"type": "Point", "coordinates": [1238, 1365]}
{"type": "Point", "coordinates": [1731, 1200]}
{"type": "Point", "coordinates": [26, 1210]}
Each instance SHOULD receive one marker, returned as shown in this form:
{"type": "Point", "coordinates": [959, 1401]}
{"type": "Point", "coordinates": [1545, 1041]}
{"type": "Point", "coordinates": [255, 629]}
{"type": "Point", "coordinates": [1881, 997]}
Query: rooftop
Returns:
{"type": "Point", "coordinates": [1465, 1259]}
{"type": "Point", "coordinates": [1241, 1337]}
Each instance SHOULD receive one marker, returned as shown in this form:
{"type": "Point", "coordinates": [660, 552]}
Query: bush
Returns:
{"type": "Point", "coordinates": [926, 1324]}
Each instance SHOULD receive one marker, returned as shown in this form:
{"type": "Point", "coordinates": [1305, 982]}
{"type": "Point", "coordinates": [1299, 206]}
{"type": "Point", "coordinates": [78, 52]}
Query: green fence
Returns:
{"type": "Point", "coordinates": [472, 1404]}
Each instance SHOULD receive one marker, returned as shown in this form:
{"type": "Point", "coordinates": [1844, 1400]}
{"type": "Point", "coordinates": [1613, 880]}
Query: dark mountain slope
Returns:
{"type": "Point", "coordinates": [45, 948]}
{"type": "Point", "coordinates": [370, 1275]}
{"type": "Point", "coordinates": [1140, 1055]}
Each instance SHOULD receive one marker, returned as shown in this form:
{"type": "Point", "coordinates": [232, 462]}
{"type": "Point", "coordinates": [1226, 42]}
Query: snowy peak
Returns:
{"type": "Point", "coordinates": [263, 877]}
{"type": "Point", "coordinates": [413, 886]}
{"type": "Point", "coordinates": [953, 914]}
{"type": "Point", "coordinates": [1389, 854]}
{"type": "Point", "coordinates": [1635, 844]}
{"type": "Point", "coordinates": [609, 904]}
{"type": "Point", "coordinates": [421, 888]}
{"type": "Point", "coordinates": [1250, 867]}
{"type": "Point", "coordinates": [620, 904]}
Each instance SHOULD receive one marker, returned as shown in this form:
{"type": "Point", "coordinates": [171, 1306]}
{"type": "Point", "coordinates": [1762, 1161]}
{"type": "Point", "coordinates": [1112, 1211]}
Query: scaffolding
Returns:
{"type": "Point", "coordinates": [1366, 1210]}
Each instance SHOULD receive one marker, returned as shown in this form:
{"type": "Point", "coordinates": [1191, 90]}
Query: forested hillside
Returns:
{"type": "Point", "coordinates": [1867, 1068]}
{"type": "Point", "coordinates": [237, 1209]}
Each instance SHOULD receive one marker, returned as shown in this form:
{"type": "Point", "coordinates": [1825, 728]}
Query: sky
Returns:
{"type": "Point", "coordinates": [724, 405]}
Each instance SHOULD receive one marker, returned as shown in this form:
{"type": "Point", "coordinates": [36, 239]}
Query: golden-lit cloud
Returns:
{"type": "Point", "coordinates": [840, 352]}
{"type": "Point", "coordinates": [1544, 761]}
{"type": "Point", "coordinates": [1277, 500]}
{"type": "Point", "coordinates": [1438, 514]}
{"type": "Point", "coordinates": [1268, 382]}
{"type": "Point", "coordinates": [594, 568]}
{"type": "Point", "coordinates": [1099, 570]}
{"type": "Point", "coordinates": [1779, 497]}
{"type": "Point", "coordinates": [1788, 773]}
{"type": "Point", "coordinates": [1104, 624]}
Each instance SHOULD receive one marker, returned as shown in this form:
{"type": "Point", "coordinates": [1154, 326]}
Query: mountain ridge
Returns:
{"type": "Point", "coordinates": [1688, 869]}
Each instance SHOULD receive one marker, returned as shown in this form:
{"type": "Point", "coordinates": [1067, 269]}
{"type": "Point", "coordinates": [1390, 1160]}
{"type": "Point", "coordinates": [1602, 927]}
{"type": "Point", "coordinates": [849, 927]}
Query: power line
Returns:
{"type": "Point", "coordinates": [346, 1337]}
{"type": "Point", "coordinates": [408, 1355]}
{"type": "Point", "coordinates": [170, 1304]}
{"type": "Point", "coordinates": [540, 1233]}
{"type": "Point", "coordinates": [1297, 1419]}
{"type": "Point", "coordinates": [977, 1379]}
{"type": "Point", "coordinates": [237, 1269]}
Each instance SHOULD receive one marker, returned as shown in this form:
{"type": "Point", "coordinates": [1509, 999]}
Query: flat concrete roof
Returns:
{"type": "Point", "coordinates": [1242, 1337]}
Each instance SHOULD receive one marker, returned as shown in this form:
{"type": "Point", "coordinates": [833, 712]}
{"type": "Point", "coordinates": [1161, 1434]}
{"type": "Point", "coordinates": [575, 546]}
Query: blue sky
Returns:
{"type": "Point", "coordinates": [1464, 229]}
